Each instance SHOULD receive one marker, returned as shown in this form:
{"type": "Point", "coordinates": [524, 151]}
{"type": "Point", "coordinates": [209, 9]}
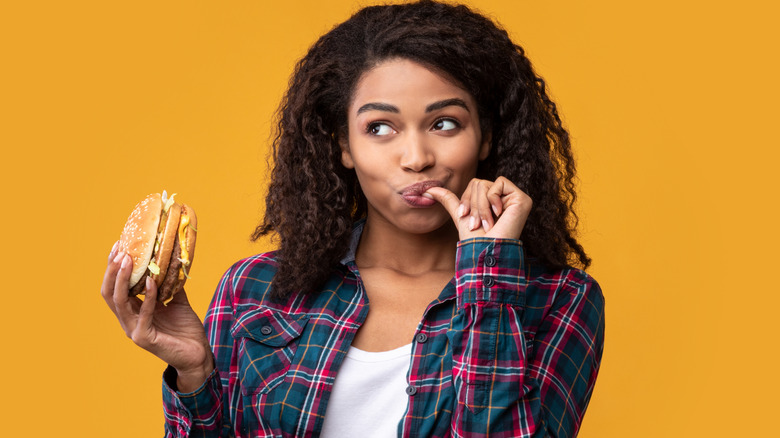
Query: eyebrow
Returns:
{"type": "Point", "coordinates": [445, 103]}
{"type": "Point", "coordinates": [386, 107]}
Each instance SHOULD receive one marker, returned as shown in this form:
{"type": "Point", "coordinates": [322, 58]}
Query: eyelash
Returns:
{"type": "Point", "coordinates": [447, 119]}
{"type": "Point", "coordinates": [373, 125]}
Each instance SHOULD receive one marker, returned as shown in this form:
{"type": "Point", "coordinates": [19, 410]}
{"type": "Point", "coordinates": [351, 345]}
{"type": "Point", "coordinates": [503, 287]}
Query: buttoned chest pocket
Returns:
{"type": "Point", "coordinates": [267, 340]}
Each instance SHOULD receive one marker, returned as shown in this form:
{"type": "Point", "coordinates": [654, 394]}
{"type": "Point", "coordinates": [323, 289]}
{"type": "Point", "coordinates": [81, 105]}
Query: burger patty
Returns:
{"type": "Point", "coordinates": [139, 287]}
{"type": "Point", "coordinates": [169, 284]}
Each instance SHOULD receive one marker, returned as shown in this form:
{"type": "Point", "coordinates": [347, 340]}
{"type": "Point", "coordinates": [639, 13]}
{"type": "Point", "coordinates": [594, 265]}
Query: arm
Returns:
{"type": "Point", "coordinates": [504, 386]}
{"type": "Point", "coordinates": [205, 411]}
{"type": "Point", "coordinates": [566, 353]}
{"type": "Point", "coordinates": [173, 333]}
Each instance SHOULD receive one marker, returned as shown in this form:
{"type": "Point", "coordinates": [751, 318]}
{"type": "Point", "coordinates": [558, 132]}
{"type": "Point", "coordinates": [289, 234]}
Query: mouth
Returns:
{"type": "Point", "coordinates": [417, 189]}
{"type": "Point", "coordinates": [413, 194]}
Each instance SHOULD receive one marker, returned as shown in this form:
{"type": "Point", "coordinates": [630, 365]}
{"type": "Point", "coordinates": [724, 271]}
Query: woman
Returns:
{"type": "Point", "coordinates": [415, 148]}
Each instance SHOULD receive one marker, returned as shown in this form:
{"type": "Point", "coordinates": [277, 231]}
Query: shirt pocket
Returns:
{"type": "Point", "coordinates": [267, 340]}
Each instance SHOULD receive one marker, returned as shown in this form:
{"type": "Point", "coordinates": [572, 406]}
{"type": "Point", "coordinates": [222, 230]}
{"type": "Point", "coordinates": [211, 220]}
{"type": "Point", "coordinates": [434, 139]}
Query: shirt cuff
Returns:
{"type": "Point", "coordinates": [490, 270]}
{"type": "Point", "coordinates": [201, 407]}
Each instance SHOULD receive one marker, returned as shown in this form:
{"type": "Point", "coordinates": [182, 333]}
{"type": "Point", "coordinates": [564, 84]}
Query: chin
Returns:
{"type": "Point", "coordinates": [433, 222]}
{"type": "Point", "coordinates": [418, 221]}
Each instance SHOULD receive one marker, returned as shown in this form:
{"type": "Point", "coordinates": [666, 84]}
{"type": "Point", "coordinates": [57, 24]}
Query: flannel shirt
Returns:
{"type": "Point", "coordinates": [508, 349]}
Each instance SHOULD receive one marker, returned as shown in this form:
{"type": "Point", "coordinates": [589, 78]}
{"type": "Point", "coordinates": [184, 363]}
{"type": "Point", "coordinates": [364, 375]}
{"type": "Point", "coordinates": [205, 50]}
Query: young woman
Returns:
{"type": "Point", "coordinates": [424, 283]}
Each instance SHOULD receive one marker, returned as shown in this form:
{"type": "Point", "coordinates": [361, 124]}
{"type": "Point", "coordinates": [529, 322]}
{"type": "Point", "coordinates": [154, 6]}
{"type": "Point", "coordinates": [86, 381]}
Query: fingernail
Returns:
{"type": "Point", "coordinates": [473, 223]}
{"type": "Point", "coordinates": [113, 249]}
{"type": "Point", "coordinates": [427, 195]}
{"type": "Point", "coordinates": [495, 210]}
{"type": "Point", "coordinates": [148, 282]}
{"type": "Point", "coordinates": [485, 225]}
{"type": "Point", "coordinates": [461, 210]}
{"type": "Point", "coordinates": [125, 261]}
{"type": "Point", "coordinates": [118, 257]}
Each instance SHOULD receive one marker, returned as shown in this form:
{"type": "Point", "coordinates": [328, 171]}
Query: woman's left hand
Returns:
{"type": "Point", "coordinates": [487, 208]}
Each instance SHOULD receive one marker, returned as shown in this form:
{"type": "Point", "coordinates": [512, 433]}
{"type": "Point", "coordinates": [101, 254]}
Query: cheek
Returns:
{"type": "Point", "coordinates": [367, 168]}
{"type": "Point", "coordinates": [370, 175]}
{"type": "Point", "coordinates": [465, 162]}
{"type": "Point", "coordinates": [463, 168]}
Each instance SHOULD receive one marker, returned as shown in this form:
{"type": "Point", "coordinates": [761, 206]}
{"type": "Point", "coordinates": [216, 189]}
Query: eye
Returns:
{"type": "Point", "coordinates": [379, 128]}
{"type": "Point", "coordinates": [445, 125]}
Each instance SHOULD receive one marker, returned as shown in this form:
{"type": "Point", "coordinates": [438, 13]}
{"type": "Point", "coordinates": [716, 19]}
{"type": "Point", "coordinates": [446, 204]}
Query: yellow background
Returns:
{"type": "Point", "coordinates": [672, 107]}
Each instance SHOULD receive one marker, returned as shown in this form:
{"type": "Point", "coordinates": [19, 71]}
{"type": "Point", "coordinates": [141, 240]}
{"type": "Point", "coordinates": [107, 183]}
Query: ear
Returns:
{"type": "Point", "coordinates": [484, 148]}
{"type": "Point", "coordinates": [346, 155]}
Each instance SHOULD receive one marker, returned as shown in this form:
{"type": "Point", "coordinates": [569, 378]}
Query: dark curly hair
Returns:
{"type": "Point", "coordinates": [313, 200]}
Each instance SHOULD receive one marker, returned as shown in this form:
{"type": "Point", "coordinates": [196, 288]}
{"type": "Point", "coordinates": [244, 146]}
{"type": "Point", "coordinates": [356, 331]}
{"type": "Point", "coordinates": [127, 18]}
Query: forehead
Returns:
{"type": "Point", "coordinates": [401, 80]}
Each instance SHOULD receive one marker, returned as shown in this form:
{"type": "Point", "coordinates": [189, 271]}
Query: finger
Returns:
{"type": "Point", "coordinates": [480, 206]}
{"type": "Point", "coordinates": [179, 298]}
{"type": "Point", "coordinates": [516, 206]}
{"type": "Point", "coordinates": [146, 314]}
{"type": "Point", "coordinates": [114, 250]}
{"type": "Point", "coordinates": [504, 192]}
{"type": "Point", "coordinates": [447, 199]}
{"type": "Point", "coordinates": [125, 311]}
{"type": "Point", "coordinates": [495, 195]}
{"type": "Point", "coordinates": [465, 202]}
{"type": "Point", "coordinates": [109, 279]}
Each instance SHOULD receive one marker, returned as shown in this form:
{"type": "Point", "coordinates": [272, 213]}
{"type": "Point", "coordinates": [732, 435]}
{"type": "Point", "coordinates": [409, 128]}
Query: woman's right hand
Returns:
{"type": "Point", "coordinates": [174, 333]}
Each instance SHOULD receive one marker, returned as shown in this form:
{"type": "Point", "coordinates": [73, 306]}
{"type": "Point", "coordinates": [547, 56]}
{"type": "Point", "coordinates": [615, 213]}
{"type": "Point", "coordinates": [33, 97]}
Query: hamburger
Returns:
{"type": "Point", "coordinates": [160, 237]}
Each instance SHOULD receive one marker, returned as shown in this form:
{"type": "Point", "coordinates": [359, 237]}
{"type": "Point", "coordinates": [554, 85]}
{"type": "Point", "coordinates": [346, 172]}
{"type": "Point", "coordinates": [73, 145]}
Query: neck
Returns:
{"type": "Point", "coordinates": [384, 246]}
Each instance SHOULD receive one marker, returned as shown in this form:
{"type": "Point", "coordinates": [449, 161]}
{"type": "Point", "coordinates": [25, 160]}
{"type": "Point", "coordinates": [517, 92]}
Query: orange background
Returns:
{"type": "Point", "coordinates": [669, 104]}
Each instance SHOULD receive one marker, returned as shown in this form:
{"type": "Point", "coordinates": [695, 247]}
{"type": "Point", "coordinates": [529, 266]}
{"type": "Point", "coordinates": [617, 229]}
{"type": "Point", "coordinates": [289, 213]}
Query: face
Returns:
{"type": "Point", "coordinates": [411, 129]}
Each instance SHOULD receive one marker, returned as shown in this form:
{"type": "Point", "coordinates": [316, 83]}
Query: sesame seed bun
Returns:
{"type": "Point", "coordinates": [140, 233]}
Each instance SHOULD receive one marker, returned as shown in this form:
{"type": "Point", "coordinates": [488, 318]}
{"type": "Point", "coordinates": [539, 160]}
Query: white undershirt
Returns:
{"type": "Point", "coordinates": [369, 394]}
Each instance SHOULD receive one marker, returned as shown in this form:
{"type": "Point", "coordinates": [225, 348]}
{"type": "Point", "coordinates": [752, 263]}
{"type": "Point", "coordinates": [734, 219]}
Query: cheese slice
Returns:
{"type": "Point", "coordinates": [185, 257]}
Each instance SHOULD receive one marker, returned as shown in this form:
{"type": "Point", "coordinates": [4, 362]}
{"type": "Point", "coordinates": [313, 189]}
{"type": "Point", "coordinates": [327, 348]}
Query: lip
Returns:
{"type": "Point", "coordinates": [413, 194]}
{"type": "Point", "coordinates": [417, 189]}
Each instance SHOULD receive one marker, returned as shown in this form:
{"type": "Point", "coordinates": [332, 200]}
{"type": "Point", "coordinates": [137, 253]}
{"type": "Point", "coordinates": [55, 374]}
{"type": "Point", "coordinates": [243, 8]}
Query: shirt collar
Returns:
{"type": "Point", "coordinates": [354, 239]}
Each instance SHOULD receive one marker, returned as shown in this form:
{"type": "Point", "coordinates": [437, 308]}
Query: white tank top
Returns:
{"type": "Point", "coordinates": [369, 394]}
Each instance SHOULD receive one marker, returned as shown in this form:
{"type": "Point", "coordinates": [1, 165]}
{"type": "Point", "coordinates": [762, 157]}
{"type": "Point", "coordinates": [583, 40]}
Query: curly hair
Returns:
{"type": "Point", "coordinates": [313, 201]}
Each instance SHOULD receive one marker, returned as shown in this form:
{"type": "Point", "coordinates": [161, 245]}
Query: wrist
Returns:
{"type": "Point", "coordinates": [190, 379]}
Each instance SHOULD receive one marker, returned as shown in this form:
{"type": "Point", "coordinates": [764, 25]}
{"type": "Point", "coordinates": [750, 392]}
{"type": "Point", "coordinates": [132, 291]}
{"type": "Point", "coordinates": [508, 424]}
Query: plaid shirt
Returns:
{"type": "Point", "coordinates": [508, 349]}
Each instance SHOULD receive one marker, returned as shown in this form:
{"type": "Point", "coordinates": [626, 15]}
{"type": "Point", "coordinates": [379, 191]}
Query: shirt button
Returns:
{"type": "Point", "coordinates": [488, 281]}
{"type": "Point", "coordinates": [411, 390]}
{"type": "Point", "coordinates": [490, 260]}
{"type": "Point", "coordinates": [421, 338]}
{"type": "Point", "coordinates": [266, 330]}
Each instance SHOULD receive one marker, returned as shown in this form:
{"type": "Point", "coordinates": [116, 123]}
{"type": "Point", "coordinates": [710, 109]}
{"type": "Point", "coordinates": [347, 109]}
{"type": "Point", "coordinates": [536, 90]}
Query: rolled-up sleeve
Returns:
{"type": "Point", "coordinates": [510, 382]}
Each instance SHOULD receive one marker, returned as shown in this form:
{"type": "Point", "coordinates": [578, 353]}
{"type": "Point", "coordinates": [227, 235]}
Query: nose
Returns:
{"type": "Point", "coordinates": [416, 154]}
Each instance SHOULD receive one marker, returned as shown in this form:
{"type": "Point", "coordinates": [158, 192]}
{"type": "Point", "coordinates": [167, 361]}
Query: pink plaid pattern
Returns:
{"type": "Point", "coordinates": [509, 349]}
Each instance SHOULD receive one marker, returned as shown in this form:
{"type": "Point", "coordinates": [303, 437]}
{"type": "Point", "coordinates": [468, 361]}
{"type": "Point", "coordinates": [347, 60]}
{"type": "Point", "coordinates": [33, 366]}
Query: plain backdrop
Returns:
{"type": "Point", "coordinates": [671, 106]}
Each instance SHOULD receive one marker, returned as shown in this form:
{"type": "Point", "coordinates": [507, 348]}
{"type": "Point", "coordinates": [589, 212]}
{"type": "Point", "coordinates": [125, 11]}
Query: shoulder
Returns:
{"type": "Point", "coordinates": [260, 266]}
{"type": "Point", "coordinates": [256, 264]}
{"type": "Point", "coordinates": [247, 284]}
{"type": "Point", "coordinates": [567, 302]}
{"type": "Point", "coordinates": [564, 287]}
{"type": "Point", "coordinates": [578, 282]}
{"type": "Point", "coordinates": [251, 277]}
{"type": "Point", "coordinates": [567, 279]}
